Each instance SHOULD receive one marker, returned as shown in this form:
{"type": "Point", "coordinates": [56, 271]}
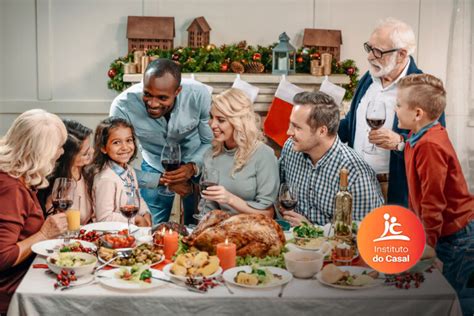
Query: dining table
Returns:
{"type": "Point", "coordinates": [36, 295]}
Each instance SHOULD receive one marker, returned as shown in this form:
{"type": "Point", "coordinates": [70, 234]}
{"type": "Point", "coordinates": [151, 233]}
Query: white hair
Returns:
{"type": "Point", "coordinates": [401, 34]}
{"type": "Point", "coordinates": [29, 148]}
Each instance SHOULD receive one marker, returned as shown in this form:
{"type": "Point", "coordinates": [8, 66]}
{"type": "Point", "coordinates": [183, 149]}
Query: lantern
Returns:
{"type": "Point", "coordinates": [284, 57]}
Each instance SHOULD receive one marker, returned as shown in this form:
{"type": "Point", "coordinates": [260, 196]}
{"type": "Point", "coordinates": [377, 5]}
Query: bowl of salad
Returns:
{"type": "Point", "coordinates": [80, 262]}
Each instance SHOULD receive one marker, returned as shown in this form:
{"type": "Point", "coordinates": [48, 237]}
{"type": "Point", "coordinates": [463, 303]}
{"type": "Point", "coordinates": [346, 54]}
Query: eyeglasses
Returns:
{"type": "Point", "coordinates": [377, 52]}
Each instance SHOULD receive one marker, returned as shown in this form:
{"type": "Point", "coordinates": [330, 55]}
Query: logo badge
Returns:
{"type": "Point", "coordinates": [391, 239]}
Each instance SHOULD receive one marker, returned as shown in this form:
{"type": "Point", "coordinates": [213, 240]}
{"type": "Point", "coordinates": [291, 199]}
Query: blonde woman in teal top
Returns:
{"type": "Point", "coordinates": [248, 168]}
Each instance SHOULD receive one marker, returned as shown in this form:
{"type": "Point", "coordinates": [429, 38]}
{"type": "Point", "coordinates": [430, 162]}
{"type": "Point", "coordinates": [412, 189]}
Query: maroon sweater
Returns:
{"type": "Point", "coordinates": [437, 189]}
{"type": "Point", "coordinates": [20, 217]}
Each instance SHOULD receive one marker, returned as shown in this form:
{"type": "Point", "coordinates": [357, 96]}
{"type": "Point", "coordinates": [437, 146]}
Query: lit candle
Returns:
{"type": "Point", "coordinates": [170, 242]}
{"type": "Point", "coordinates": [226, 252]}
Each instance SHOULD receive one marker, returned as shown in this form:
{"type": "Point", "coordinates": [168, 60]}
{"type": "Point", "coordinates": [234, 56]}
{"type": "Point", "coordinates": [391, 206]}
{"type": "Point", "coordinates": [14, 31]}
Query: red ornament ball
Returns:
{"type": "Point", "coordinates": [112, 73]}
{"type": "Point", "coordinates": [257, 57]}
{"type": "Point", "coordinates": [315, 56]}
{"type": "Point", "coordinates": [350, 71]}
{"type": "Point", "coordinates": [299, 60]}
{"type": "Point", "coordinates": [224, 67]}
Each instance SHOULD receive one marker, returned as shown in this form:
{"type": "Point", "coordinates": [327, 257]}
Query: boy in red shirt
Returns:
{"type": "Point", "coordinates": [438, 192]}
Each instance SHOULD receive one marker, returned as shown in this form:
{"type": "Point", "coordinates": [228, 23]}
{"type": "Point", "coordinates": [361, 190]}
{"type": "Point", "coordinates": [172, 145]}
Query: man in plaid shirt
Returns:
{"type": "Point", "coordinates": [312, 158]}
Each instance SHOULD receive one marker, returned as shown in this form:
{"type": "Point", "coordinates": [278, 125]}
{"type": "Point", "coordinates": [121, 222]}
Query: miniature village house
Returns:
{"type": "Point", "coordinates": [146, 32]}
{"type": "Point", "coordinates": [199, 33]}
{"type": "Point", "coordinates": [324, 41]}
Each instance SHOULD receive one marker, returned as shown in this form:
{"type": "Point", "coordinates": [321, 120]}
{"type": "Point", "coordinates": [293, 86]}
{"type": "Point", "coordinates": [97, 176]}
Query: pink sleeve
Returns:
{"type": "Point", "coordinates": [105, 199]}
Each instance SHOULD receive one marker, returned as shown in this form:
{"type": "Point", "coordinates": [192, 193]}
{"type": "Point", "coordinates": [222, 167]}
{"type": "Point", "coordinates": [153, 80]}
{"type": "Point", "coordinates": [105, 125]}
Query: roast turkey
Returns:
{"type": "Point", "coordinates": [254, 234]}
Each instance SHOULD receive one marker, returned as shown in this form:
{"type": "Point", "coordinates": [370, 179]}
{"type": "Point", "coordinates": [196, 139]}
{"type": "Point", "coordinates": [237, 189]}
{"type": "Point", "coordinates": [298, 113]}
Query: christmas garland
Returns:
{"type": "Point", "coordinates": [237, 58]}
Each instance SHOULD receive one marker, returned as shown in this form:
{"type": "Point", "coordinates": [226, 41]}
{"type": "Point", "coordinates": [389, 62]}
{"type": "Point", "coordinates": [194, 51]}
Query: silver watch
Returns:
{"type": "Point", "coordinates": [400, 146]}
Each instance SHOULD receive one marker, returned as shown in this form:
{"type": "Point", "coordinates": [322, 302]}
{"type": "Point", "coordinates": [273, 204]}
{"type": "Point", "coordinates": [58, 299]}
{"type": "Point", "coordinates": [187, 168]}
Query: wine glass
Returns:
{"type": "Point", "coordinates": [170, 159]}
{"type": "Point", "coordinates": [375, 117]}
{"type": "Point", "coordinates": [62, 195]}
{"type": "Point", "coordinates": [129, 204]}
{"type": "Point", "coordinates": [288, 196]}
{"type": "Point", "coordinates": [209, 177]}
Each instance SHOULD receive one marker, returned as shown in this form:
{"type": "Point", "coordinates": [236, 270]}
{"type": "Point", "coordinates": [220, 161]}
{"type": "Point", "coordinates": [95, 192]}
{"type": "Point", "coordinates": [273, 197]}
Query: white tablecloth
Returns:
{"type": "Point", "coordinates": [36, 296]}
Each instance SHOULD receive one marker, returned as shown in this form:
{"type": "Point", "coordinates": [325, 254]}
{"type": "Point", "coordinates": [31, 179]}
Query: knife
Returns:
{"type": "Point", "coordinates": [188, 287]}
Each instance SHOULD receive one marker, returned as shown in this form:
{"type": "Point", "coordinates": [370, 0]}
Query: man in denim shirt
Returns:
{"type": "Point", "coordinates": [164, 111]}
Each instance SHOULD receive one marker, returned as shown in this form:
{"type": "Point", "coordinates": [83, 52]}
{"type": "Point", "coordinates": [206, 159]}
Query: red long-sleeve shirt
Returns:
{"type": "Point", "coordinates": [438, 192]}
{"type": "Point", "coordinates": [20, 217]}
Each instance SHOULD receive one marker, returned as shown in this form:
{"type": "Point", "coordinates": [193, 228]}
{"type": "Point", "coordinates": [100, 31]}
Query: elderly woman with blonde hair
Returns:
{"type": "Point", "coordinates": [248, 168]}
{"type": "Point", "coordinates": [28, 153]}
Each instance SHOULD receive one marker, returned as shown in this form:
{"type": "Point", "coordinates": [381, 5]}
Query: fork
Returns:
{"type": "Point", "coordinates": [120, 254]}
{"type": "Point", "coordinates": [91, 282]}
{"type": "Point", "coordinates": [282, 289]}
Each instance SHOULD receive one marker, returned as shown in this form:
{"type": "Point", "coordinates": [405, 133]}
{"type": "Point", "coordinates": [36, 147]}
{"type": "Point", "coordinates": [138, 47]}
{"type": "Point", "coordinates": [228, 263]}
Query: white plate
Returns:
{"type": "Point", "coordinates": [352, 270]}
{"type": "Point", "coordinates": [108, 226]}
{"type": "Point", "coordinates": [111, 280]}
{"type": "Point", "coordinates": [117, 266]}
{"type": "Point", "coordinates": [167, 272]}
{"type": "Point", "coordinates": [41, 247]}
{"type": "Point", "coordinates": [230, 274]}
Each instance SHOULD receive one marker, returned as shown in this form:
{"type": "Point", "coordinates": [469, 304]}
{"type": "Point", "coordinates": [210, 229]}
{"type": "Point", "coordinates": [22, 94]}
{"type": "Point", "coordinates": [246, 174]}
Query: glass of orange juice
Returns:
{"type": "Point", "coordinates": [73, 216]}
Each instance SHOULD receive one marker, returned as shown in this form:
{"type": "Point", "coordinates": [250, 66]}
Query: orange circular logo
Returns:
{"type": "Point", "coordinates": [391, 239]}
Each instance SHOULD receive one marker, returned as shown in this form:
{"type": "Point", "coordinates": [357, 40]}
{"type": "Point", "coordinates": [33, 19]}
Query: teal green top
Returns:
{"type": "Point", "coordinates": [256, 183]}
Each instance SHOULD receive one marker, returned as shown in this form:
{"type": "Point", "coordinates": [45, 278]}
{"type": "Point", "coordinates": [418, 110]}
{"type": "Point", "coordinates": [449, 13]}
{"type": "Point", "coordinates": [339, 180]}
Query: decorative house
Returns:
{"type": "Point", "coordinates": [145, 32]}
{"type": "Point", "coordinates": [324, 41]}
{"type": "Point", "coordinates": [198, 33]}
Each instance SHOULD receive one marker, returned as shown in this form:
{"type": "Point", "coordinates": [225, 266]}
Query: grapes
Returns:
{"type": "Point", "coordinates": [405, 280]}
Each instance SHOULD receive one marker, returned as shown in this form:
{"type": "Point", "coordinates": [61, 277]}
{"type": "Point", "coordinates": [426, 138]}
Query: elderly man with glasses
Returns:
{"type": "Point", "coordinates": [388, 52]}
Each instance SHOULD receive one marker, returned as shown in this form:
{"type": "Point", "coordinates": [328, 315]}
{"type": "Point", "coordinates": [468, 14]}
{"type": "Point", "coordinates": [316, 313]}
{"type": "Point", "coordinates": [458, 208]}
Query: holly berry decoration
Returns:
{"type": "Point", "coordinates": [315, 56]}
{"type": "Point", "coordinates": [64, 278]}
{"type": "Point", "coordinates": [299, 59]}
{"type": "Point", "coordinates": [350, 71]}
{"type": "Point", "coordinates": [257, 57]}
{"type": "Point", "coordinates": [224, 67]}
{"type": "Point", "coordinates": [112, 73]}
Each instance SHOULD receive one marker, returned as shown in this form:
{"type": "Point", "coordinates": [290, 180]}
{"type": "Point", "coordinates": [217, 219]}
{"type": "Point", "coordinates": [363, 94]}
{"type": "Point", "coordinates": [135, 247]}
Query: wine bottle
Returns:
{"type": "Point", "coordinates": [343, 207]}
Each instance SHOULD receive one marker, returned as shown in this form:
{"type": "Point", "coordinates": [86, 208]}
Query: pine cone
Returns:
{"type": "Point", "coordinates": [237, 67]}
{"type": "Point", "coordinates": [254, 67]}
{"type": "Point", "coordinates": [242, 44]}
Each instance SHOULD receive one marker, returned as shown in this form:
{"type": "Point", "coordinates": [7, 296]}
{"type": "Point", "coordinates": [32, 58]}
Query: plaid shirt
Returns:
{"type": "Point", "coordinates": [318, 184]}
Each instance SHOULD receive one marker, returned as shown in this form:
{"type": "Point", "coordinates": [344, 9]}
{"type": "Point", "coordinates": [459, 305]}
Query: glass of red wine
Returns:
{"type": "Point", "coordinates": [375, 117]}
{"type": "Point", "coordinates": [62, 195]}
{"type": "Point", "coordinates": [209, 177]}
{"type": "Point", "coordinates": [171, 159]}
{"type": "Point", "coordinates": [288, 196]}
{"type": "Point", "coordinates": [129, 204]}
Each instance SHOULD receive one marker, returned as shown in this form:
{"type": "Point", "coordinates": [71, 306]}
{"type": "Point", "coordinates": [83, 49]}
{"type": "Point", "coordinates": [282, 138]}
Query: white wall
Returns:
{"type": "Point", "coordinates": [65, 71]}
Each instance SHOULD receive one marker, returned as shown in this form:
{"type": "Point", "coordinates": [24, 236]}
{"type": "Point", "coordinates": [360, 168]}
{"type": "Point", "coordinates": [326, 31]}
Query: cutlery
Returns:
{"type": "Point", "coordinates": [227, 286]}
{"type": "Point", "coordinates": [282, 289]}
{"type": "Point", "coordinates": [91, 282]}
{"type": "Point", "coordinates": [120, 254]}
{"type": "Point", "coordinates": [188, 287]}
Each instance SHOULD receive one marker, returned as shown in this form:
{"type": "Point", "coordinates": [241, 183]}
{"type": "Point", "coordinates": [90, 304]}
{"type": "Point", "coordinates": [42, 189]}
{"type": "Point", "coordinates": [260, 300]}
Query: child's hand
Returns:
{"type": "Point", "coordinates": [141, 221]}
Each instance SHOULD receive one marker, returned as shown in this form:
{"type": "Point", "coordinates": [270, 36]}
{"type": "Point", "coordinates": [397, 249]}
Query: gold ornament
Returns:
{"type": "Point", "coordinates": [210, 47]}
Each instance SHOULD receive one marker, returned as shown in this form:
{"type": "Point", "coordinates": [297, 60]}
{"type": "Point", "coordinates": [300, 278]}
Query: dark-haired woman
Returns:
{"type": "Point", "coordinates": [77, 155]}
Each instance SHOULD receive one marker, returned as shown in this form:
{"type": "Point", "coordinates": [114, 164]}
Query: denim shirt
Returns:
{"type": "Point", "coordinates": [187, 126]}
{"type": "Point", "coordinates": [415, 137]}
